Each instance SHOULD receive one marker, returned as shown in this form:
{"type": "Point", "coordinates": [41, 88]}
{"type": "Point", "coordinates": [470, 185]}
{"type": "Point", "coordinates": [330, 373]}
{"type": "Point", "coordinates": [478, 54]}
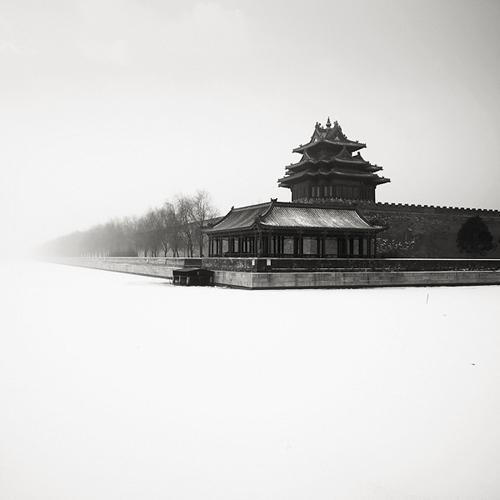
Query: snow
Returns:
{"type": "Point", "coordinates": [115, 386]}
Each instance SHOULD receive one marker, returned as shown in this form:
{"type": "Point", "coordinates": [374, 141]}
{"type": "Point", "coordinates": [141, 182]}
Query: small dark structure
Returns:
{"type": "Point", "coordinates": [193, 277]}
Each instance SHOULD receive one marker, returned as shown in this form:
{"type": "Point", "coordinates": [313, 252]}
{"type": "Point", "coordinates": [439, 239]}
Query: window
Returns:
{"type": "Point", "coordinates": [309, 245]}
{"type": "Point", "coordinates": [355, 249]}
{"type": "Point", "coordinates": [363, 247]}
{"type": "Point", "coordinates": [288, 246]}
{"type": "Point", "coordinates": [331, 246]}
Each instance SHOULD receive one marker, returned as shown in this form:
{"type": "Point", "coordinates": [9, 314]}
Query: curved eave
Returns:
{"type": "Point", "coordinates": [233, 230]}
{"type": "Point", "coordinates": [351, 145]}
{"type": "Point", "coordinates": [356, 167]}
{"type": "Point", "coordinates": [239, 219]}
{"type": "Point", "coordinates": [363, 163]}
{"type": "Point", "coordinates": [357, 162]}
{"type": "Point", "coordinates": [371, 229]}
{"type": "Point", "coordinates": [291, 179]}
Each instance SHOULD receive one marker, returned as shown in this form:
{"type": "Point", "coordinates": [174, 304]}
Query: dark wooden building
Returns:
{"type": "Point", "coordinates": [278, 229]}
{"type": "Point", "coordinates": [330, 168]}
{"type": "Point", "coordinates": [334, 213]}
{"type": "Point", "coordinates": [316, 223]}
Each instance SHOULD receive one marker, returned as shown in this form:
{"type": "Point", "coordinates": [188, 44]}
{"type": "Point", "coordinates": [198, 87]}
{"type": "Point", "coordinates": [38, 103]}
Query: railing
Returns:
{"type": "Point", "coordinates": [348, 264]}
{"type": "Point", "coordinates": [271, 264]}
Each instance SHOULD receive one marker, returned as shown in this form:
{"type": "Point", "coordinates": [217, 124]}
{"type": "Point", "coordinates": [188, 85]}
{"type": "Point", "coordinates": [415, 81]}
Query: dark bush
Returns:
{"type": "Point", "coordinates": [474, 237]}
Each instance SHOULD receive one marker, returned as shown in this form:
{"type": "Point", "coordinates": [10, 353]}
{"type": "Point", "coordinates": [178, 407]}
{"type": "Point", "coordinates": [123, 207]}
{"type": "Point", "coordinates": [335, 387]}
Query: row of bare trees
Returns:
{"type": "Point", "coordinates": [173, 229]}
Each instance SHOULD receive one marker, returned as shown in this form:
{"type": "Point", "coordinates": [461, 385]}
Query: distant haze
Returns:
{"type": "Point", "coordinates": [110, 107]}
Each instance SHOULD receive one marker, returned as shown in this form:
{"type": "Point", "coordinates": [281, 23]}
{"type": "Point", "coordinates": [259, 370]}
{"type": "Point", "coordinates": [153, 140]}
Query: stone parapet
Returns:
{"type": "Point", "coordinates": [371, 205]}
{"type": "Point", "coordinates": [355, 279]}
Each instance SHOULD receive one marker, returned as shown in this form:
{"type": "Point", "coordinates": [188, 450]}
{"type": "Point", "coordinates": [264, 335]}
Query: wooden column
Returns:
{"type": "Point", "coordinates": [259, 244]}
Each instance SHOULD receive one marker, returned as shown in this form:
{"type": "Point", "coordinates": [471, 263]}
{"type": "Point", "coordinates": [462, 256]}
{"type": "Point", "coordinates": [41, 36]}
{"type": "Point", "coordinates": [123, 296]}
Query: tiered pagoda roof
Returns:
{"type": "Point", "coordinates": [329, 154]}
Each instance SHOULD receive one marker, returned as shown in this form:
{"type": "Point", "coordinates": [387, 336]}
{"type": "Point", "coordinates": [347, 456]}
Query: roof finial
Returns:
{"type": "Point", "coordinates": [328, 123]}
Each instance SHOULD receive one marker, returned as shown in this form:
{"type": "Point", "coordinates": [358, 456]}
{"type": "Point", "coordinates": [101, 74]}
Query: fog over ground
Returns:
{"type": "Point", "coordinates": [116, 386]}
{"type": "Point", "coordinates": [110, 106]}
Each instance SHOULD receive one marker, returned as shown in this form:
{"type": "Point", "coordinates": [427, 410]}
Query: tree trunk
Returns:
{"type": "Point", "coordinates": [201, 243]}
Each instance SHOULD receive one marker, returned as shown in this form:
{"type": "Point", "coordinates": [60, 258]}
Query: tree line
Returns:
{"type": "Point", "coordinates": [174, 229]}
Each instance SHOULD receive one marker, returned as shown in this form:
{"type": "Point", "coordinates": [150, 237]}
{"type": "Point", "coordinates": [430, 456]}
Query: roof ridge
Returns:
{"type": "Point", "coordinates": [331, 204]}
{"type": "Point", "coordinates": [255, 205]}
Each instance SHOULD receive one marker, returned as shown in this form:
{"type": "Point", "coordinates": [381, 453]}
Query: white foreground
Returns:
{"type": "Point", "coordinates": [115, 386]}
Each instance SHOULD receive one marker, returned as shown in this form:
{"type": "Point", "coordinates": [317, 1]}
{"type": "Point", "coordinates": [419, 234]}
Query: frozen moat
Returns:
{"type": "Point", "coordinates": [116, 386]}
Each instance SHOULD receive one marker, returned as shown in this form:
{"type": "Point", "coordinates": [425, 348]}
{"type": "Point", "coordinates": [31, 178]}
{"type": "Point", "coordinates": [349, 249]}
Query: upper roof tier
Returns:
{"type": "Point", "coordinates": [342, 158]}
{"type": "Point", "coordinates": [330, 135]}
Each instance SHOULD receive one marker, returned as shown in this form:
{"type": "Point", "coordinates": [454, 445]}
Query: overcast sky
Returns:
{"type": "Point", "coordinates": [109, 107]}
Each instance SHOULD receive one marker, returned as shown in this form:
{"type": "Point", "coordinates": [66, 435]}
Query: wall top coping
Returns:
{"type": "Point", "coordinates": [363, 204]}
{"type": "Point", "coordinates": [488, 211]}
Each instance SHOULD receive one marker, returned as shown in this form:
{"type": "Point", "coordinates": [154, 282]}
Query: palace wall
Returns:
{"type": "Point", "coordinates": [419, 231]}
{"type": "Point", "coordinates": [422, 231]}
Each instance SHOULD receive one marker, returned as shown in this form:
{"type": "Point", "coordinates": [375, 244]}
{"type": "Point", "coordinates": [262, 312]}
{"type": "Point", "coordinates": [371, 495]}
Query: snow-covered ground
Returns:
{"type": "Point", "coordinates": [115, 386]}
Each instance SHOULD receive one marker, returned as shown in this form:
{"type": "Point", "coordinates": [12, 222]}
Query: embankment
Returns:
{"type": "Point", "coordinates": [253, 273]}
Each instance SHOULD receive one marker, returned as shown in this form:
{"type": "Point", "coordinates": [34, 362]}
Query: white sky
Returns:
{"type": "Point", "coordinates": [110, 107]}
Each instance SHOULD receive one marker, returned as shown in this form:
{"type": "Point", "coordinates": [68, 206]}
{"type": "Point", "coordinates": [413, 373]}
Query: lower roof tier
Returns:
{"type": "Point", "coordinates": [351, 166]}
{"type": "Point", "coordinates": [369, 178]}
{"type": "Point", "coordinates": [279, 215]}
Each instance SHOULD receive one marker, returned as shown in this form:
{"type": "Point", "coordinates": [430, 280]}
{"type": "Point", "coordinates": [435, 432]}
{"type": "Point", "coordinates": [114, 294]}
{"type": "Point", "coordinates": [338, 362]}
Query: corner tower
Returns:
{"type": "Point", "coordinates": [331, 168]}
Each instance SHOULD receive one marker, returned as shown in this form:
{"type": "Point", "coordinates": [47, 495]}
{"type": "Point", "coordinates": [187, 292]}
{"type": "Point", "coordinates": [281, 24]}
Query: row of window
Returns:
{"type": "Point", "coordinates": [223, 246]}
{"type": "Point", "coordinates": [337, 191]}
{"type": "Point", "coordinates": [277, 245]}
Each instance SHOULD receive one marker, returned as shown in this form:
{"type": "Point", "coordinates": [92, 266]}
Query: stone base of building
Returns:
{"type": "Point", "coordinates": [353, 279]}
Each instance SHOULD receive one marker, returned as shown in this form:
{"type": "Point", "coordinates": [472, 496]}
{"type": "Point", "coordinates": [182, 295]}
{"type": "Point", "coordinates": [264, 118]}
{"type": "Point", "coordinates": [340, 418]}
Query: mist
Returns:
{"type": "Point", "coordinates": [109, 108]}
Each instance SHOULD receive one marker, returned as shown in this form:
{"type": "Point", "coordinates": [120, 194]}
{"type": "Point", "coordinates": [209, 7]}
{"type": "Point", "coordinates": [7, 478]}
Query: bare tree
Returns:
{"type": "Point", "coordinates": [148, 233]}
{"type": "Point", "coordinates": [168, 229]}
{"type": "Point", "coordinates": [171, 227]}
{"type": "Point", "coordinates": [202, 210]}
{"type": "Point", "coordinates": [184, 211]}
